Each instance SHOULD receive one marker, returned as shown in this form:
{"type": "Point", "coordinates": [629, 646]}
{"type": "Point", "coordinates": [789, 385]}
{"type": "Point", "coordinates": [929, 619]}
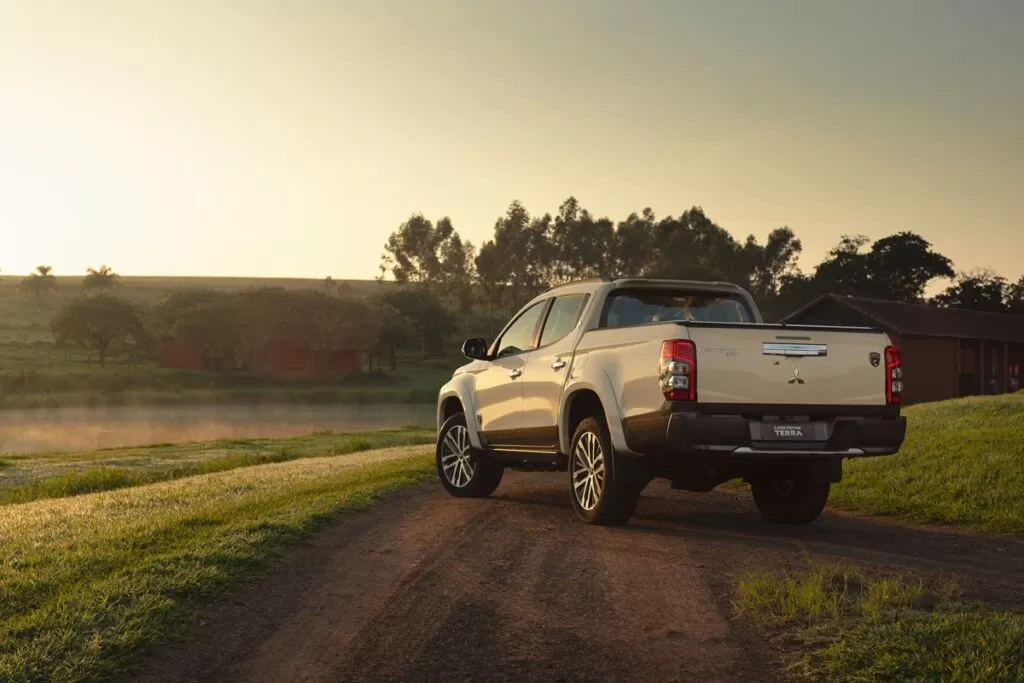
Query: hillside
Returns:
{"type": "Point", "coordinates": [962, 464]}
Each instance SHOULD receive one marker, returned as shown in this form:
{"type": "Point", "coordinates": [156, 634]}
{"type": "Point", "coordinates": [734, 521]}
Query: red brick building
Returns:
{"type": "Point", "coordinates": [946, 352]}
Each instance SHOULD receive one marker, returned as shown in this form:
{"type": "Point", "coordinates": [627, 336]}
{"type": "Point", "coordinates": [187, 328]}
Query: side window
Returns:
{"type": "Point", "coordinates": [519, 336]}
{"type": "Point", "coordinates": [565, 311]}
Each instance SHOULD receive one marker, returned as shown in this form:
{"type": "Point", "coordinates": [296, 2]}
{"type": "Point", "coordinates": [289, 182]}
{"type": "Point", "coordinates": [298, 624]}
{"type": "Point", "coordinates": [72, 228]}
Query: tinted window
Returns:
{"type": "Point", "coordinates": [562, 318]}
{"type": "Point", "coordinates": [641, 307]}
{"type": "Point", "coordinates": [519, 336]}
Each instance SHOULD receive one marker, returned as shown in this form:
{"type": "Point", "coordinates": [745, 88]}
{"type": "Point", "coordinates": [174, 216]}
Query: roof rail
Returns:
{"type": "Point", "coordinates": [589, 280]}
{"type": "Point", "coordinates": [657, 280]}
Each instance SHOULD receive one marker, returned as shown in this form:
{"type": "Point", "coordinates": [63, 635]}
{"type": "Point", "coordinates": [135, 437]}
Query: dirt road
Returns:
{"type": "Point", "coordinates": [427, 587]}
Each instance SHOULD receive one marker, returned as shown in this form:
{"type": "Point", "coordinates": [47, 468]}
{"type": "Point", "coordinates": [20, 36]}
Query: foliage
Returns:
{"type": "Point", "coordinates": [95, 323]}
{"type": "Point", "coordinates": [981, 290]}
{"type": "Point", "coordinates": [39, 283]}
{"type": "Point", "coordinates": [855, 626]}
{"type": "Point", "coordinates": [428, 320]}
{"type": "Point", "coordinates": [100, 278]}
{"type": "Point", "coordinates": [528, 254]}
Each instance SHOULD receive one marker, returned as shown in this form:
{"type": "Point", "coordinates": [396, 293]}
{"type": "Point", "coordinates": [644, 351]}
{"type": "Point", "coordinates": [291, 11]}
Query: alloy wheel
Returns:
{"type": "Point", "coordinates": [456, 457]}
{"type": "Point", "coordinates": [588, 471]}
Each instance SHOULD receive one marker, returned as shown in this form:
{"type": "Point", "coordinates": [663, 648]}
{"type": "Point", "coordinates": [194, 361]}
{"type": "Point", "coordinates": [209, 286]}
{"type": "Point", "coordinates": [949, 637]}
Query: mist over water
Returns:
{"type": "Point", "coordinates": [79, 429]}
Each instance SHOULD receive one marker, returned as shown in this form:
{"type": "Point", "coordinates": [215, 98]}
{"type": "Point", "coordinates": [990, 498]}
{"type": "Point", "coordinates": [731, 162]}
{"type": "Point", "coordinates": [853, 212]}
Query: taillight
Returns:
{"type": "Point", "coordinates": [893, 375]}
{"type": "Point", "coordinates": [678, 370]}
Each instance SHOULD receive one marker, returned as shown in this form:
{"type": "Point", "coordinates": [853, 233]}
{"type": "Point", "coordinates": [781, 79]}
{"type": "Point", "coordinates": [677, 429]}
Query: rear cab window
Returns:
{"type": "Point", "coordinates": [646, 306]}
{"type": "Point", "coordinates": [562, 317]}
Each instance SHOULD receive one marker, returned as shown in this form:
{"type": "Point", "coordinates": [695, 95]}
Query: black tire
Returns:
{"type": "Point", "coordinates": [598, 495]}
{"type": "Point", "coordinates": [794, 499]}
{"type": "Point", "coordinates": [464, 471]}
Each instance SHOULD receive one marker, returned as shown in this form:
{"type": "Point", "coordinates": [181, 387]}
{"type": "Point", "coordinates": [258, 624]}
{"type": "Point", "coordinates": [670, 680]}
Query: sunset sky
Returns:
{"type": "Point", "coordinates": [259, 137]}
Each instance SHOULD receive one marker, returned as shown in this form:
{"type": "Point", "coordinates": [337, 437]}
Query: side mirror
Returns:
{"type": "Point", "coordinates": [475, 348]}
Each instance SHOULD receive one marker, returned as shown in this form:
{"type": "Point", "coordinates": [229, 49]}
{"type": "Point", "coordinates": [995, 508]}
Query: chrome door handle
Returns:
{"type": "Point", "coordinates": [515, 373]}
{"type": "Point", "coordinates": [558, 364]}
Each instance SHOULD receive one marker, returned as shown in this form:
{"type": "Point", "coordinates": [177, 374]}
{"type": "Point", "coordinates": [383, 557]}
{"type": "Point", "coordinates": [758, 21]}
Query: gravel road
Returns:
{"type": "Point", "coordinates": [426, 587]}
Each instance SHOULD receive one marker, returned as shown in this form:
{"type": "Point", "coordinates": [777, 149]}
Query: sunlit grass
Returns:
{"type": "Point", "coordinates": [89, 581]}
{"type": "Point", "coordinates": [962, 463]}
{"type": "Point", "coordinates": [853, 627]}
{"type": "Point", "coordinates": [30, 477]}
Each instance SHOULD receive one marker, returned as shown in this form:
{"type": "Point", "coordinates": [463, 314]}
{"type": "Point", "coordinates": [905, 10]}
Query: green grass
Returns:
{"type": "Point", "coordinates": [31, 477]}
{"type": "Point", "coordinates": [962, 464]}
{"type": "Point", "coordinates": [854, 628]}
{"type": "Point", "coordinates": [90, 582]}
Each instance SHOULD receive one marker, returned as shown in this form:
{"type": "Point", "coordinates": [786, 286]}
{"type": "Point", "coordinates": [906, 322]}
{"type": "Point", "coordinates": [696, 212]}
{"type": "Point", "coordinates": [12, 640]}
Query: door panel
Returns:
{"type": "Point", "coordinates": [499, 385]}
{"type": "Point", "coordinates": [547, 370]}
{"type": "Point", "coordinates": [499, 399]}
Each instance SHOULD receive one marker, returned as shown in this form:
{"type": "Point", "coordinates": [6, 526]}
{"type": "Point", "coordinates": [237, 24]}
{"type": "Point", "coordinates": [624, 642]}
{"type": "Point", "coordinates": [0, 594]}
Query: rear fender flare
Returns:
{"type": "Point", "coordinates": [606, 394]}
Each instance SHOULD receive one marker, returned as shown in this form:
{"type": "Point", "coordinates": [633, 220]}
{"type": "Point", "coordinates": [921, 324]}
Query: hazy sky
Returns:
{"type": "Point", "coordinates": [250, 137]}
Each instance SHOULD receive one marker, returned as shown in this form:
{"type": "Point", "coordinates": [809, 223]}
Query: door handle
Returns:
{"type": "Point", "coordinates": [515, 373]}
{"type": "Point", "coordinates": [558, 364]}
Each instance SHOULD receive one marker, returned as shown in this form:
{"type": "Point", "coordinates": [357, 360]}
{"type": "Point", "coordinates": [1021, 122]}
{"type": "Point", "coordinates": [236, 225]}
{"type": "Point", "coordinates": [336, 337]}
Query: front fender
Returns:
{"type": "Point", "coordinates": [461, 387]}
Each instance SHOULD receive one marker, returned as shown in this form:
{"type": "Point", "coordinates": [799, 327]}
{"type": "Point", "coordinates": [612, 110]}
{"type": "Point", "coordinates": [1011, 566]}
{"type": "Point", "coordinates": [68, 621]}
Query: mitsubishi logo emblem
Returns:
{"type": "Point", "coordinates": [796, 379]}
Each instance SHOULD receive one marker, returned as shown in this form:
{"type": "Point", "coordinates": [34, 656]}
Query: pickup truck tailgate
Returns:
{"type": "Point", "coordinates": [770, 364]}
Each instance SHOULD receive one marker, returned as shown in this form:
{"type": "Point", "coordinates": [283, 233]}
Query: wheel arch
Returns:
{"type": "Point", "coordinates": [584, 399]}
{"type": "Point", "coordinates": [457, 396]}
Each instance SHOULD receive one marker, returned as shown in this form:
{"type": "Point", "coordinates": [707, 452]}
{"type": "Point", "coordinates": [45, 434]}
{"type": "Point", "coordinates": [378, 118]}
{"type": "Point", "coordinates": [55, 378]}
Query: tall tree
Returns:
{"type": "Point", "coordinates": [694, 247]}
{"type": "Point", "coordinates": [40, 282]}
{"type": "Point", "coordinates": [1015, 297]}
{"type": "Point", "coordinates": [634, 244]}
{"type": "Point", "coordinates": [103, 277]}
{"type": "Point", "coordinates": [978, 290]}
{"type": "Point", "coordinates": [518, 258]}
{"type": "Point", "coordinates": [896, 268]}
{"type": "Point", "coordinates": [96, 323]}
{"type": "Point", "coordinates": [581, 246]}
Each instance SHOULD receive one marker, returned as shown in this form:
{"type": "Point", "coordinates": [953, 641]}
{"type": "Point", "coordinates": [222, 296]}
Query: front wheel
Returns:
{"type": "Point", "coordinates": [793, 499]}
{"type": "Point", "coordinates": [464, 473]}
{"type": "Point", "coordinates": [598, 496]}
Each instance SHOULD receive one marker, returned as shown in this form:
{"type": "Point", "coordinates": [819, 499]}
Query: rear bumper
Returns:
{"type": "Point", "coordinates": [816, 436]}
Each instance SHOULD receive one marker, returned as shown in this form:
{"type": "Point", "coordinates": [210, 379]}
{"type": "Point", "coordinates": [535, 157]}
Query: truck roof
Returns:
{"type": "Point", "coordinates": [696, 284]}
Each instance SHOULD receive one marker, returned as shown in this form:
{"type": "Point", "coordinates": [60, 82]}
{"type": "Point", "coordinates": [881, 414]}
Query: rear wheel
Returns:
{"type": "Point", "coordinates": [598, 496]}
{"type": "Point", "coordinates": [798, 498]}
{"type": "Point", "coordinates": [464, 471]}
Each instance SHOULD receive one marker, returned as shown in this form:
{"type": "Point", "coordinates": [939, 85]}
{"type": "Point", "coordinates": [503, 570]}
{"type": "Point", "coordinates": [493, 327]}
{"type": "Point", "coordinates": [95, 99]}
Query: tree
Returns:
{"type": "Point", "coordinates": [393, 329]}
{"type": "Point", "coordinates": [978, 290]}
{"type": "Point", "coordinates": [902, 265]}
{"type": "Point", "coordinates": [693, 247]}
{"type": "Point", "coordinates": [1015, 297]}
{"type": "Point", "coordinates": [634, 244]}
{"type": "Point", "coordinates": [40, 282]}
{"type": "Point", "coordinates": [519, 258]}
{"type": "Point", "coordinates": [96, 323]}
{"type": "Point", "coordinates": [431, 323]}
{"type": "Point", "coordinates": [896, 268]}
{"type": "Point", "coordinates": [102, 278]}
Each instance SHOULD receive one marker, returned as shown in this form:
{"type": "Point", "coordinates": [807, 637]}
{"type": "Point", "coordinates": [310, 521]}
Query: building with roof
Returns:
{"type": "Point", "coordinates": [946, 352]}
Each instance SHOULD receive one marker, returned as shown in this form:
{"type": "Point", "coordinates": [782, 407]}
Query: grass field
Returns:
{"type": "Point", "coordinates": [962, 464]}
{"type": "Point", "coordinates": [34, 373]}
{"type": "Point", "coordinates": [87, 582]}
{"type": "Point", "coordinates": [25, 478]}
{"type": "Point", "coordinates": [858, 628]}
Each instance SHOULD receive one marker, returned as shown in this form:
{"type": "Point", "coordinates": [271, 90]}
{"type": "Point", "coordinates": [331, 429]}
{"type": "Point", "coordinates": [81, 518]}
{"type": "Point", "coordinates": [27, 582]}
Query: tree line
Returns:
{"type": "Point", "coordinates": [527, 254]}
{"type": "Point", "coordinates": [229, 326]}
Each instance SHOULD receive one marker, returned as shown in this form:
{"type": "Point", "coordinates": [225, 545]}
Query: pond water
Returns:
{"type": "Point", "coordinates": [79, 429]}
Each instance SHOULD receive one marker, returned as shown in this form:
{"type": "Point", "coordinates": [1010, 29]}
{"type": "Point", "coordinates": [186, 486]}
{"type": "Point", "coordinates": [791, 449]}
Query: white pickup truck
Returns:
{"type": "Point", "coordinates": [621, 381]}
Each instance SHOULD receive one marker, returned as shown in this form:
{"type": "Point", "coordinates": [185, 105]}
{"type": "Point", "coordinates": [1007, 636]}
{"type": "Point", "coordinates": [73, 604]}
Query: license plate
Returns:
{"type": "Point", "coordinates": [787, 431]}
